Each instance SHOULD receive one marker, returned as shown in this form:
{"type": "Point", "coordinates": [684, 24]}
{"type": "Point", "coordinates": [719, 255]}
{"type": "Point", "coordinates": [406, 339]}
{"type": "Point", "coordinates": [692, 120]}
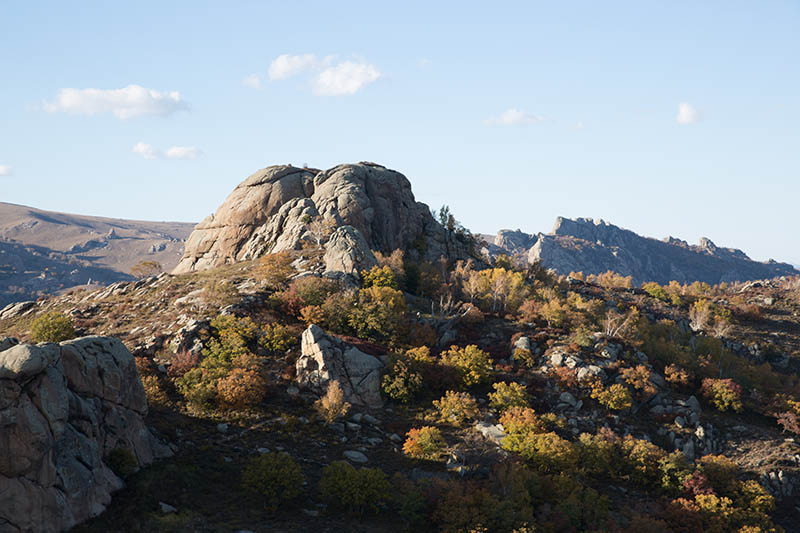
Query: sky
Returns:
{"type": "Point", "coordinates": [667, 118]}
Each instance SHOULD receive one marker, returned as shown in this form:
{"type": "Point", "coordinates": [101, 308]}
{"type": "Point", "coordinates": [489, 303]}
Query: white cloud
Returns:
{"type": "Point", "coordinates": [147, 151]}
{"type": "Point", "coordinates": [513, 117]}
{"type": "Point", "coordinates": [183, 152]}
{"type": "Point", "coordinates": [424, 62]}
{"type": "Point", "coordinates": [687, 114]}
{"type": "Point", "coordinates": [253, 81]}
{"type": "Point", "coordinates": [128, 102]}
{"type": "Point", "coordinates": [286, 65]}
{"type": "Point", "coordinates": [345, 78]}
{"type": "Point", "coordinates": [5, 170]}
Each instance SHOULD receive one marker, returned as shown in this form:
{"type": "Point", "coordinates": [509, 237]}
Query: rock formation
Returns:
{"type": "Point", "coordinates": [368, 206]}
{"type": "Point", "coordinates": [583, 245]}
{"type": "Point", "coordinates": [325, 359]}
{"type": "Point", "coordinates": [63, 409]}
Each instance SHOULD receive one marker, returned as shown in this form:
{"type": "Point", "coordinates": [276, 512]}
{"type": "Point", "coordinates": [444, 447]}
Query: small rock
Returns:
{"type": "Point", "coordinates": [369, 419]}
{"type": "Point", "coordinates": [693, 404]}
{"type": "Point", "coordinates": [311, 512]}
{"type": "Point", "coordinates": [567, 398]}
{"type": "Point", "coordinates": [680, 422]}
{"type": "Point", "coordinates": [556, 359]}
{"type": "Point", "coordinates": [352, 426]}
{"type": "Point", "coordinates": [394, 437]}
{"type": "Point", "coordinates": [167, 508]}
{"type": "Point", "coordinates": [222, 427]}
{"type": "Point", "coordinates": [355, 456]}
{"type": "Point", "coordinates": [262, 450]}
{"type": "Point", "coordinates": [293, 391]}
{"type": "Point", "coordinates": [227, 459]}
{"type": "Point", "coordinates": [357, 417]}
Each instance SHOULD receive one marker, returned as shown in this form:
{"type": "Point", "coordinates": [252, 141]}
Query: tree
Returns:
{"type": "Point", "coordinates": [143, 269]}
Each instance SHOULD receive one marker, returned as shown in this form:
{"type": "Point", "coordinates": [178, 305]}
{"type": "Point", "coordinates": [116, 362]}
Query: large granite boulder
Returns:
{"type": "Point", "coordinates": [325, 359]}
{"type": "Point", "coordinates": [63, 409]}
{"type": "Point", "coordinates": [281, 207]}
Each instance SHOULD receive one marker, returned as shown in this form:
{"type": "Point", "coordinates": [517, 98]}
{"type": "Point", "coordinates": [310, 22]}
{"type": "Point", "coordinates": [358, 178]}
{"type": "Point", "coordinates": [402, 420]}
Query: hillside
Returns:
{"type": "Point", "coordinates": [572, 401]}
{"type": "Point", "coordinates": [582, 245]}
{"type": "Point", "coordinates": [42, 252]}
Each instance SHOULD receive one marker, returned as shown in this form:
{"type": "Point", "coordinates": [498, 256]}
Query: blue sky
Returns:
{"type": "Point", "coordinates": [511, 112]}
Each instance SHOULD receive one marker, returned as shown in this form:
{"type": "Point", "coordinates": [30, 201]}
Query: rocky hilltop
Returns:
{"type": "Point", "coordinates": [583, 245]}
{"type": "Point", "coordinates": [350, 210]}
{"type": "Point", "coordinates": [42, 252]}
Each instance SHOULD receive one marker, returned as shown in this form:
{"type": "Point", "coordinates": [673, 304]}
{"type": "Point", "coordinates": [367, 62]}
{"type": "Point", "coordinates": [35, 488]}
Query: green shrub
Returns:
{"type": "Point", "coordinates": [467, 507]}
{"type": "Point", "coordinates": [456, 408]}
{"type": "Point", "coordinates": [275, 477]}
{"type": "Point", "coordinates": [52, 327]}
{"type": "Point", "coordinates": [546, 452]}
{"type": "Point", "coordinates": [356, 491]}
{"type": "Point", "coordinates": [277, 338]}
{"type": "Point", "coordinates": [724, 394]}
{"type": "Point", "coordinates": [122, 462]}
{"type": "Point", "coordinates": [471, 363]}
{"type": "Point", "coordinates": [656, 291]}
{"type": "Point", "coordinates": [616, 397]}
{"type": "Point", "coordinates": [379, 314]}
{"type": "Point", "coordinates": [508, 395]}
{"type": "Point", "coordinates": [401, 383]}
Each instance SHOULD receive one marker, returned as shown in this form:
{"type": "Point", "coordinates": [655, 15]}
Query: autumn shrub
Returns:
{"type": "Point", "coordinates": [610, 280]}
{"type": "Point", "coordinates": [355, 491]}
{"type": "Point", "coordinates": [676, 376]}
{"type": "Point", "coordinates": [424, 443]}
{"type": "Point", "coordinates": [332, 406]}
{"type": "Point", "coordinates": [312, 314]}
{"type": "Point", "coordinates": [379, 276]}
{"type": "Point", "coordinates": [720, 471]}
{"type": "Point", "coordinates": [617, 397]}
{"type": "Point", "coordinates": [723, 394]}
{"type": "Point", "coordinates": [697, 483]}
{"type": "Point", "coordinates": [401, 382]}
{"type": "Point", "coordinates": [241, 388]}
{"type": "Point", "coordinates": [624, 459]}
{"type": "Point", "coordinates": [638, 377]}
{"type": "Point", "coordinates": [307, 291]}
{"type": "Point", "coordinates": [674, 469]}
{"type": "Point", "coordinates": [524, 356]}
{"type": "Point", "coordinates": [153, 391]}
{"type": "Point", "coordinates": [182, 363]}
{"type": "Point", "coordinates": [275, 269]}
{"type": "Point", "coordinates": [529, 311]}
{"type": "Point", "coordinates": [456, 408]}
{"type": "Point", "coordinates": [467, 507]}
{"type": "Point", "coordinates": [508, 395]}
{"type": "Point", "coordinates": [52, 327]}
{"type": "Point", "coordinates": [379, 313]}
{"type": "Point", "coordinates": [472, 364]}
{"type": "Point", "coordinates": [566, 377]}
{"type": "Point", "coordinates": [522, 420]}
{"type": "Point", "coordinates": [546, 452]}
{"type": "Point", "coordinates": [274, 477]}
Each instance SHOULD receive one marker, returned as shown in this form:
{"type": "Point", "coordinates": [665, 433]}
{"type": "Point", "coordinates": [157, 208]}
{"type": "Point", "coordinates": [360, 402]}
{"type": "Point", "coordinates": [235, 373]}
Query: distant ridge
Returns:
{"type": "Point", "coordinates": [583, 245]}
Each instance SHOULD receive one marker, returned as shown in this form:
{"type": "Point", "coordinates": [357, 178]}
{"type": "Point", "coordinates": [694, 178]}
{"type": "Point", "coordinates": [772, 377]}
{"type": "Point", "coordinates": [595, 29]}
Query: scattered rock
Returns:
{"type": "Point", "coordinates": [355, 456]}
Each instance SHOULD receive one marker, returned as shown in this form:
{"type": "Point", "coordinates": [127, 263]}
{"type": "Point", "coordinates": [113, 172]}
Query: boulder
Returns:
{"type": "Point", "coordinates": [281, 207]}
{"type": "Point", "coordinates": [63, 409]}
{"type": "Point", "coordinates": [16, 309]}
{"type": "Point", "coordinates": [325, 358]}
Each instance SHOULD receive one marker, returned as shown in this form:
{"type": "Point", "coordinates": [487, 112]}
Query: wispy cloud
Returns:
{"type": "Point", "coordinates": [687, 114]}
{"type": "Point", "coordinates": [287, 65]}
{"type": "Point", "coordinates": [148, 151]}
{"type": "Point", "coordinates": [128, 102]}
{"type": "Point", "coordinates": [345, 78]}
{"type": "Point", "coordinates": [253, 81]}
{"type": "Point", "coordinates": [6, 170]}
{"type": "Point", "coordinates": [514, 117]}
{"type": "Point", "coordinates": [424, 62]}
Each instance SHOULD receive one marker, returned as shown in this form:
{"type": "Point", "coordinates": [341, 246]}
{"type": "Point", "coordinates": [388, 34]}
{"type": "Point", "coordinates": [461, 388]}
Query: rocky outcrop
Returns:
{"type": "Point", "coordinates": [63, 409]}
{"type": "Point", "coordinates": [325, 359]}
{"type": "Point", "coordinates": [582, 245]}
{"type": "Point", "coordinates": [281, 207]}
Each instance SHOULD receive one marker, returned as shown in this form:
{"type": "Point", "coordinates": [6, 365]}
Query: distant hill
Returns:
{"type": "Point", "coordinates": [582, 245]}
{"type": "Point", "coordinates": [43, 251]}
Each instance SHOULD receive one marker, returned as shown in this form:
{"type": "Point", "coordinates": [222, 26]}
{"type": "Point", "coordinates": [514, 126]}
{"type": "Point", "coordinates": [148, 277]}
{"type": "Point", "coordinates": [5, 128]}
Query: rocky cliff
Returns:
{"type": "Point", "coordinates": [582, 245]}
{"type": "Point", "coordinates": [64, 409]}
{"type": "Point", "coordinates": [349, 210]}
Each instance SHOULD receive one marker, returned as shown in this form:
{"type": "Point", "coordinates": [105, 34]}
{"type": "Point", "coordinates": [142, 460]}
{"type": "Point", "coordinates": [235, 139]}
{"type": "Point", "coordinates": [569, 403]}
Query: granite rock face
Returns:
{"type": "Point", "coordinates": [325, 359]}
{"type": "Point", "coordinates": [279, 207]}
{"type": "Point", "coordinates": [63, 409]}
{"type": "Point", "coordinates": [583, 245]}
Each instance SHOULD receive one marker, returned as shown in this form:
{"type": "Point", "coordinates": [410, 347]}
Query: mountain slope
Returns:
{"type": "Point", "coordinates": [582, 245]}
{"type": "Point", "coordinates": [44, 251]}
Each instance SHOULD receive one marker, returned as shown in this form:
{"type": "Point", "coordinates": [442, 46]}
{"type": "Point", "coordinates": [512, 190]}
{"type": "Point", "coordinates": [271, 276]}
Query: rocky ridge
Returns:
{"type": "Point", "coordinates": [350, 210]}
{"type": "Point", "coordinates": [583, 245]}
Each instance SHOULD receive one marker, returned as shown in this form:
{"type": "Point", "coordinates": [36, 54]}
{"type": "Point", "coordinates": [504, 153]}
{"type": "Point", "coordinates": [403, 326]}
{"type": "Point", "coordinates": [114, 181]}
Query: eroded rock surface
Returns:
{"type": "Point", "coordinates": [63, 409]}
{"type": "Point", "coordinates": [325, 358]}
{"type": "Point", "coordinates": [278, 208]}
